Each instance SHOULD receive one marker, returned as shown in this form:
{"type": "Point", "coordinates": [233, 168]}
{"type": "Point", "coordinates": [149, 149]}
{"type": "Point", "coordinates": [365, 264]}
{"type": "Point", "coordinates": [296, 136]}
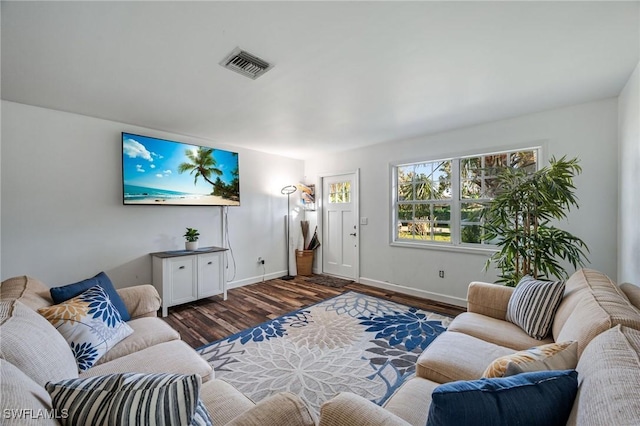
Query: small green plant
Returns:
{"type": "Point", "coordinates": [191, 235]}
{"type": "Point", "coordinates": [520, 219]}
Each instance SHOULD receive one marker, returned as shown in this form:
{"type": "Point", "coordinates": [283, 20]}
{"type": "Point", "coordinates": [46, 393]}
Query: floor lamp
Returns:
{"type": "Point", "coordinates": [288, 190]}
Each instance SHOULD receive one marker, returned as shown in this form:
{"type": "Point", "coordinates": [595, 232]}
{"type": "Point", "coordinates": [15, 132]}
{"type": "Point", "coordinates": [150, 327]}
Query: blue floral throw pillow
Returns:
{"type": "Point", "coordinates": [90, 324]}
{"type": "Point", "coordinates": [64, 293]}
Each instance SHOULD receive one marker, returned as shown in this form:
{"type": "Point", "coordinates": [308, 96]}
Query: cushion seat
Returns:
{"type": "Point", "coordinates": [223, 401]}
{"type": "Point", "coordinates": [409, 403]}
{"type": "Point", "coordinates": [169, 357]}
{"type": "Point", "coordinates": [496, 331]}
{"type": "Point", "coordinates": [457, 356]}
{"type": "Point", "coordinates": [147, 332]}
{"type": "Point", "coordinates": [227, 406]}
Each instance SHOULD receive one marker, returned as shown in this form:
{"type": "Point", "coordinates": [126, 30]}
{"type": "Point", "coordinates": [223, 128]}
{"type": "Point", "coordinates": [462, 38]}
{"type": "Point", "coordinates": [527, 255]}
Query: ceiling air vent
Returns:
{"type": "Point", "coordinates": [245, 63]}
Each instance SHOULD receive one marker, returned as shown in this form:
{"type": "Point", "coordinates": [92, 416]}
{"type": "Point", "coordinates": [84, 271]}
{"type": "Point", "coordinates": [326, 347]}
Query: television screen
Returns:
{"type": "Point", "coordinates": [163, 172]}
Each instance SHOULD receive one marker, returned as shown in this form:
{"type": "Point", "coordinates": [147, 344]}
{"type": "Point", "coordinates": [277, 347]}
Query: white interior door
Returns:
{"type": "Point", "coordinates": [340, 225]}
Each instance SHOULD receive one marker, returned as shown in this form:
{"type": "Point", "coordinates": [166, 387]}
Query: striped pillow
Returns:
{"type": "Point", "coordinates": [131, 399]}
{"type": "Point", "coordinates": [533, 305]}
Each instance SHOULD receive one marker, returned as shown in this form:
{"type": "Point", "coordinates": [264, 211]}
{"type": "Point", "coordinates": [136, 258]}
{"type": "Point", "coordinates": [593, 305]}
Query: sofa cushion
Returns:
{"type": "Point", "coordinates": [90, 323]}
{"type": "Point", "coordinates": [283, 408]}
{"type": "Point", "coordinates": [595, 285]}
{"type": "Point", "coordinates": [609, 380]}
{"type": "Point", "coordinates": [132, 399]}
{"type": "Point", "coordinates": [596, 312]}
{"type": "Point", "coordinates": [146, 332]}
{"type": "Point", "coordinates": [455, 356]}
{"type": "Point", "coordinates": [23, 399]}
{"type": "Point", "coordinates": [540, 398]}
{"type": "Point", "coordinates": [64, 293]}
{"type": "Point", "coordinates": [552, 356]}
{"type": "Point", "coordinates": [533, 305]}
{"type": "Point", "coordinates": [348, 409]}
{"type": "Point", "coordinates": [410, 401]}
{"type": "Point", "coordinates": [492, 330]}
{"type": "Point", "coordinates": [30, 291]}
{"type": "Point", "coordinates": [33, 345]}
{"type": "Point", "coordinates": [574, 287]}
{"type": "Point", "coordinates": [169, 357]}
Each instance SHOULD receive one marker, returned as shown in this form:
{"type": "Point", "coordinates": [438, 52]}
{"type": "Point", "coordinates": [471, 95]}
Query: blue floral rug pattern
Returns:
{"type": "Point", "coordinates": [351, 342]}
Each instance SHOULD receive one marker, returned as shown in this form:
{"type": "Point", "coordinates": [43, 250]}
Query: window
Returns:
{"type": "Point", "coordinates": [424, 201]}
{"type": "Point", "coordinates": [441, 201]}
{"type": "Point", "coordinates": [340, 192]}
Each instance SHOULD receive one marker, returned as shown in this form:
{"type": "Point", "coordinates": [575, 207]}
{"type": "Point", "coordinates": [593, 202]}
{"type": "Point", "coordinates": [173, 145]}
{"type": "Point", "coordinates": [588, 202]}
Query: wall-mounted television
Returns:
{"type": "Point", "coordinates": [163, 172]}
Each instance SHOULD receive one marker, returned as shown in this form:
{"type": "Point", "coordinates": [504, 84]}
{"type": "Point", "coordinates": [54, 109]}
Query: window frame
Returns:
{"type": "Point", "coordinates": [456, 201]}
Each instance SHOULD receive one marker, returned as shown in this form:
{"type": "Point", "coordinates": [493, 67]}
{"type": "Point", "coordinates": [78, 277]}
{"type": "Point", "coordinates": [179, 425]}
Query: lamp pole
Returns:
{"type": "Point", "coordinates": [288, 190]}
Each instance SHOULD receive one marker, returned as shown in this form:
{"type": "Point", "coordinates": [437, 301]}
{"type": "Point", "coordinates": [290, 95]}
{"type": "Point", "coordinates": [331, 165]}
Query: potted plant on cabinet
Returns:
{"type": "Point", "coordinates": [192, 239]}
{"type": "Point", "coordinates": [519, 220]}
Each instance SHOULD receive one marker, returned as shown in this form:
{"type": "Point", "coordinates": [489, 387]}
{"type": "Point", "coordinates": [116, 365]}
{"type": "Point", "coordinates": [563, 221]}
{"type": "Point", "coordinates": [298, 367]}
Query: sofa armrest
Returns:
{"type": "Point", "coordinates": [632, 292]}
{"type": "Point", "coordinates": [283, 408]}
{"type": "Point", "coordinates": [348, 409]}
{"type": "Point", "coordinates": [140, 300]}
{"type": "Point", "coordinates": [488, 299]}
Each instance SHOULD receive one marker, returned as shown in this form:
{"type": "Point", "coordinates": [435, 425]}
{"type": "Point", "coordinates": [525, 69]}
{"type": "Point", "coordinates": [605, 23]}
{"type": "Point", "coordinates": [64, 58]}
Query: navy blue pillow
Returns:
{"type": "Point", "coordinates": [538, 398]}
{"type": "Point", "coordinates": [64, 293]}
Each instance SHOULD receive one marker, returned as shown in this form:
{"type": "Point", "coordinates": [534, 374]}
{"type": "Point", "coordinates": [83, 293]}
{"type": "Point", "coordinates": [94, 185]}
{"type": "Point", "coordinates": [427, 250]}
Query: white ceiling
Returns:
{"type": "Point", "coordinates": [347, 74]}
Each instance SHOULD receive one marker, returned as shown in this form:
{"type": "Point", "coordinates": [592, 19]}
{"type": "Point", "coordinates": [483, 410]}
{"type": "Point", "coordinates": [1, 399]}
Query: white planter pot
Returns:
{"type": "Point", "coordinates": [191, 246]}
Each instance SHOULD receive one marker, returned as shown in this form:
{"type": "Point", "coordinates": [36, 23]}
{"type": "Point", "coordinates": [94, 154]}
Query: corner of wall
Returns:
{"type": "Point", "coordinates": [628, 177]}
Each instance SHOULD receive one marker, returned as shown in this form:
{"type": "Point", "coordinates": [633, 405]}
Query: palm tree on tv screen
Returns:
{"type": "Point", "coordinates": [202, 163]}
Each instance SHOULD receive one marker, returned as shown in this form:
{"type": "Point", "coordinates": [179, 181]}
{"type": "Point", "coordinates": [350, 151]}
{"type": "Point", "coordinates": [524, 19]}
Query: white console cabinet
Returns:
{"type": "Point", "coordinates": [184, 276]}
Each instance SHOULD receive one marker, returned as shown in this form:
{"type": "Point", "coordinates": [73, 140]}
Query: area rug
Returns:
{"type": "Point", "coordinates": [351, 342]}
{"type": "Point", "coordinates": [328, 281]}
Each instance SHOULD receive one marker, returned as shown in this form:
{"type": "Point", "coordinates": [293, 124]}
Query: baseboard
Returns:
{"type": "Point", "coordinates": [458, 301]}
{"type": "Point", "coordinates": [256, 279]}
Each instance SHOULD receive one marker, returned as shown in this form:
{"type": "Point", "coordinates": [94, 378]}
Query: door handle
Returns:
{"type": "Point", "coordinates": [353, 234]}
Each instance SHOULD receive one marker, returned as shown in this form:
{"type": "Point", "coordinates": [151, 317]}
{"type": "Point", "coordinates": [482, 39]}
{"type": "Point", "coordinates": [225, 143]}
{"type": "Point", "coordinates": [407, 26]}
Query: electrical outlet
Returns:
{"type": "Point", "coordinates": [441, 273]}
{"type": "Point", "coordinates": [261, 260]}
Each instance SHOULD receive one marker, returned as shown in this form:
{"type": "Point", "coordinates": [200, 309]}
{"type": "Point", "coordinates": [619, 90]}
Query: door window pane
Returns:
{"type": "Point", "coordinates": [340, 192]}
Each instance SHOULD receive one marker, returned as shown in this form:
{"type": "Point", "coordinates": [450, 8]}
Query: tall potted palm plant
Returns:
{"type": "Point", "coordinates": [519, 219]}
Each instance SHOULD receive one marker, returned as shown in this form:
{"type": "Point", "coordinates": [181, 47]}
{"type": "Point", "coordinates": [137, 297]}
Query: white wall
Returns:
{"type": "Point", "coordinates": [62, 213]}
{"type": "Point", "coordinates": [629, 183]}
{"type": "Point", "coordinates": [588, 131]}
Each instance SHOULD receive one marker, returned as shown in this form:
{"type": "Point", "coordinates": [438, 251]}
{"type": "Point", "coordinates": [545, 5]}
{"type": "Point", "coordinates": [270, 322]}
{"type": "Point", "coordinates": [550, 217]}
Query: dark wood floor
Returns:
{"type": "Point", "coordinates": [211, 319]}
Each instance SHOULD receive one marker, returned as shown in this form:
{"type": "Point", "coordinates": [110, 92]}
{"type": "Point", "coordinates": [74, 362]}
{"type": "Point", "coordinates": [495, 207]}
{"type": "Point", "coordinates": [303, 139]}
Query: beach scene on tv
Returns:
{"type": "Point", "coordinates": [157, 171]}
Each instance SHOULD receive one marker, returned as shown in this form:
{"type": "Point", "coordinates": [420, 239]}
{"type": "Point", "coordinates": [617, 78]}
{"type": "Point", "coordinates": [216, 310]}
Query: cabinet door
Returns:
{"type": "Point", "coordinates": [209, 274]}
{"type": "Point", "coordinates": [183, 287]}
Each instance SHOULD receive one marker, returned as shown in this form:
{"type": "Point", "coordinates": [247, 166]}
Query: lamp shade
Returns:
{"type": "Point", "coordinates": [288, 190]}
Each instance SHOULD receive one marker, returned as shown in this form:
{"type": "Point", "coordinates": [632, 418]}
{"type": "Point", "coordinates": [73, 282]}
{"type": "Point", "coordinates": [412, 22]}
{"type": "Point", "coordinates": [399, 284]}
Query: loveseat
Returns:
{"type": "Point", "coordinates": [33, 353]}
{"type": "Point", "coordinates": [594, 312]}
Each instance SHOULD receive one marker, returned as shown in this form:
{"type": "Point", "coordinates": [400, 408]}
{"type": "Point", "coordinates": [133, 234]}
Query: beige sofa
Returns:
{"type": "Point", "coordinates": [594, 311]}
{"type": "Point", "coordinates": [32, 353]}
